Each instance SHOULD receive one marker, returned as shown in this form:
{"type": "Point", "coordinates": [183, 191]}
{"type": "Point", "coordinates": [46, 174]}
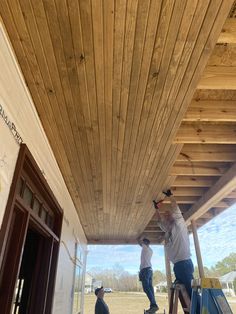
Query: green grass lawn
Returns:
{"type": "Point", "coordinates": [133, 303]}
{"type": "Point", "coordinates": [126, 302]}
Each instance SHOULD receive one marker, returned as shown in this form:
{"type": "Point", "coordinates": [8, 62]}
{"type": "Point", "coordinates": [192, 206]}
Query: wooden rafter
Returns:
{"type": "Point", "coordinates": [208, 152]}
{"type": "Point", "coordinates": [111, 84]}
{"type": "Point", "coordinates": [211, 111]}
{"type": "Point", "coordinates": [199, 169]}
{"type": "Point", "coordinates": [206, 133]}
{"type": "Point", "coordinates": [228, 33]}
{"type": "Point", "coordinates": [218, 77]}
{"type": "Point", "coordinates": [214, 195]}
{"type": "Point", "coordinates": [194, 181]}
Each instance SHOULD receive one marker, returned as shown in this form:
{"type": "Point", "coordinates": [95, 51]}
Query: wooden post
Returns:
{"type": "Point", "coordinates": [197, 249]}
{"type": "Point", "coordinates": [168, 274]}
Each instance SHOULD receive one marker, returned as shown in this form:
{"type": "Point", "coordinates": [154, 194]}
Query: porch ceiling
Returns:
{"type": "Point", "coordinates": [112, 81]}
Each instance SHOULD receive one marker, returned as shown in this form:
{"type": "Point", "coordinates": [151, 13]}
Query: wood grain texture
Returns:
{"type": "Point", "coordinates": [111, 82]}
{"type": "Point", "coordinates": [209, 133]}
{"type": "Point", "coordinates": [228, 33]}
{"type": "Point", "coordinates": [218, 77]}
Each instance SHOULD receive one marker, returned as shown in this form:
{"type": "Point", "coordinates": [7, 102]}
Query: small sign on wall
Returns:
{"type": "Point", "coordinates": [10, 125]}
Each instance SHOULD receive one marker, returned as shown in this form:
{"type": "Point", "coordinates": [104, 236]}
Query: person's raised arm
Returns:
{"type": "Point", "coordinates": [156, 205]}
{"type": "Point", "coordinates": [161, 223]}
{"type": "Point", "coordinates": [174, 206]}
{"type": "Point", "coordinates": [140, 240]}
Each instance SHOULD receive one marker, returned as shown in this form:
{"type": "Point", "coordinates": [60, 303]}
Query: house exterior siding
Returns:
{"type": "Point", "coordinates": [19, 122]}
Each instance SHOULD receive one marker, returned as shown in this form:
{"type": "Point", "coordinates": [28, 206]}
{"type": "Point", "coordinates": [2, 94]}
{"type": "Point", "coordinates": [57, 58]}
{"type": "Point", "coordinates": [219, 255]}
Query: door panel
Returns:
{"type": "Point", "coordinates": [12, 258]}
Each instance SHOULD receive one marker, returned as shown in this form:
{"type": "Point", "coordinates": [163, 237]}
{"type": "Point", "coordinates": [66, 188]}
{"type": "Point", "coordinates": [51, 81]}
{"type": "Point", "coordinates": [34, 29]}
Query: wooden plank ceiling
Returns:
{"type": "Point", "coordinates": [111, 81]}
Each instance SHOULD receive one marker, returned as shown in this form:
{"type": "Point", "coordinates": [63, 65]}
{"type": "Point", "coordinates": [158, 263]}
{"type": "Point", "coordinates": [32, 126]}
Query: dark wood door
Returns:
{"type": "Point", "coordinates": [29, 242]}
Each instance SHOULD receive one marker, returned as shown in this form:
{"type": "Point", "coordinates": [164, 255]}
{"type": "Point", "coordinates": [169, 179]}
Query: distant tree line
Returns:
{"type": "Point", "coordinates": [119, 279]}
{"type": "Point", "coordinates": [221, 268]}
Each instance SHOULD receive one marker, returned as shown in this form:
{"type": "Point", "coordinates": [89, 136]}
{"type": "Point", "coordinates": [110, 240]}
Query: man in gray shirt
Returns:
{"type": "Point", "coordinates": [145, 274]}
{"type": "Point", "coordinates": [177, 242]}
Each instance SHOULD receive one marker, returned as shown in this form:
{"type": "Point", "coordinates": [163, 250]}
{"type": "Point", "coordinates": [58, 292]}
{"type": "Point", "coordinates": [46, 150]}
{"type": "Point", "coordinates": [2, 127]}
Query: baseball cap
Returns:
{"type": "Point", "coordinates": [146, 241]}
{"type": "Point", "coordinates": [97, 290]}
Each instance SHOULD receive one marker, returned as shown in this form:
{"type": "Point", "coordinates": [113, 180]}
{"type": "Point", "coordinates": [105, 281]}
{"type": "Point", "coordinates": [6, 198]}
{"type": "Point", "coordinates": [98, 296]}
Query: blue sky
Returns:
{"type": "Point", "coordinates": [217, 240]}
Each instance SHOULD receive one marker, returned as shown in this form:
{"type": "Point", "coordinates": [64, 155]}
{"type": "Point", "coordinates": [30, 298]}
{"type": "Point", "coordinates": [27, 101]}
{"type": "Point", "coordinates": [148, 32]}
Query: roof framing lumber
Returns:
{"type": "Point", "coordinates": [218, 77]}
{"type": "Point", "coordinates": [214, 195]}
{"type": "Point", "coordinates": [194, 181]}
{"type": "Point", "coordinates": [208, 152]}
{"type": "Point", "coordinates": [211, 110]}
{"type": "Point", "coordinates": [206, 133]}
{"type": "Point", "coordinates": [199, 169]}
{"type": "Point", "coordinates": [184, 199]}
{"type": "Point", "coordinates": [228, 33]}
{"type": "Point", "coordinates": [189, 191]}
{"type": "Point", "coordinates": [223, 55]}
{"type": "Point", "coordinates": [111, 85]}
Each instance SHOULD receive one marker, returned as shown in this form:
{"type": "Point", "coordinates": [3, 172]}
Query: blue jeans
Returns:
{"type": "Point", "coordinates": [146, 279]}
{"type": "Point", "coordinates": [184, 273]}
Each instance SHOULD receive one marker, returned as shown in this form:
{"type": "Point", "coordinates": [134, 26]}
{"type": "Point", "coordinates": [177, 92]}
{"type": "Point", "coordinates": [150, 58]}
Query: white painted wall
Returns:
{"type": "Point", "coordinates": [18, 106]}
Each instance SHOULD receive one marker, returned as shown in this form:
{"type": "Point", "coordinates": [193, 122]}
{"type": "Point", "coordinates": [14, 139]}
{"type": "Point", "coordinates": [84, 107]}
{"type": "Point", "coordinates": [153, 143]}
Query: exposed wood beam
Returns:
{"type": "Point", "coordinates": [208, 152]}
{"type": "Point", "coordinates": [232, 195]}
{"type": "Point", "coordinates": [218, 77]}
{"type": "Point", "coordinates": [229, 201]}
{"type": "Point", "coordinates": [221, 204]}
{"type": "Point", "coordinates": [185, 199]}
{"type": "Point", "coordinates": [152, 229]}
{"type": "Point", "coordinates": [111, 242]}
{"type": "Point", "coordinates": [223, 55]}
{"type": "Point", "coordinates": [199, 169]}
{"type": "Point", "coordinates": [217, 210]}
{"type": "Point", "coordinates": [188, 191]}
{"type": "Point", "coordinates": [194, 181]}
{"type": "Point", "coordinates": [228, 33]}
{"type": "Point", "coordinates": [200, 222]}
{"type": "Point", "coordinates": [207, 215]}
{"type": "Point", "coordinates": [211, 110]}
{"type": "Point", "coordinates": [206, 133]}
{"type": "Point", "coordinates": [214, 94]}
{"type": "Point", "coordinates": [214, 195]}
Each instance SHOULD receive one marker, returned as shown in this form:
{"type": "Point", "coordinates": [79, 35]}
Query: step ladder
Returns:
{"type": "Point", "coordinates": [209, 293]}
{"type": "Point", "coordinates": [178, 292]}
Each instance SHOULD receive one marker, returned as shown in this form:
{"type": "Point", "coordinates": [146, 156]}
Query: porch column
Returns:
{"type": "Point", "coordinates": [197, 249]}
{"type": "Point", "coordinates": [168, 274]}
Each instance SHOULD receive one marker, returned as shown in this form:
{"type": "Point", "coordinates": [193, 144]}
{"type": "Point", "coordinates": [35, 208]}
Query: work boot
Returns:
{"type": "Point", "coordinates": [153, 309]}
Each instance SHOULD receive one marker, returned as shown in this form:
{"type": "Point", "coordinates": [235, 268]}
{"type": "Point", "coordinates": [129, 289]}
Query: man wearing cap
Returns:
{"type": "Point", "coordinates": [177, 242]}
{"type": "Point", "coordinates": [100, 306]}
{"type": "Point", "coordinates": [145, 274]}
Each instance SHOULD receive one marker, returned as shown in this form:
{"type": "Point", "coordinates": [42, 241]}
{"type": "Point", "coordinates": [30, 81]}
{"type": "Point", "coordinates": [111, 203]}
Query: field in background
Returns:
{"type": "Point", "coordinates": [132, 303]}
{"type": "Point", "coordinates": [125, 302]}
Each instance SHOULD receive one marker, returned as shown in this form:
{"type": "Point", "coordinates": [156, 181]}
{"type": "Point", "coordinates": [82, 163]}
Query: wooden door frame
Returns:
{"type": "Point", "coordinates": [27, 167]}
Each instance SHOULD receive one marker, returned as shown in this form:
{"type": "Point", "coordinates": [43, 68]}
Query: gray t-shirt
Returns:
{"type": "Point", "coordinates": [146, 256]}
{"type": "Point", "coordinates": [176, 239]}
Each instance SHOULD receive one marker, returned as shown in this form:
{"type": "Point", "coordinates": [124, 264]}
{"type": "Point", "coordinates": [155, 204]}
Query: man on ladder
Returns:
{"type": "Point", "coordinates": [177, 242]}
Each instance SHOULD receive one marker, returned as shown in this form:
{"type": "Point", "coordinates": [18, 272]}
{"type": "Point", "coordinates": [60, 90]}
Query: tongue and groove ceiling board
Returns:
{"type": "Point", "coordinates": [203, 175]}
{"type": "Point", "coordinates": [111, 81]}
